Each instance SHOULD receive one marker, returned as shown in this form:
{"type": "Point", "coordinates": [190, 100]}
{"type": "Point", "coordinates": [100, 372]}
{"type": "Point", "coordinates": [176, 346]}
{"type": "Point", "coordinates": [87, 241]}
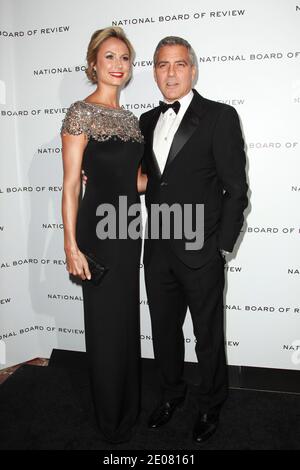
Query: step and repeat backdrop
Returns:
{"type": "Point", "coordinates": [248, 55]}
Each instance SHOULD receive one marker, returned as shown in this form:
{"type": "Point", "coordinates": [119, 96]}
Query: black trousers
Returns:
{"type": "Point", "coordinates": [171, 288]}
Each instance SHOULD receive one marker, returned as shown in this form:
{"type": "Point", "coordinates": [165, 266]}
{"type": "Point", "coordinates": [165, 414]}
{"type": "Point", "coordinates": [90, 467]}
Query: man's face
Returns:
{"type": "Point", "coordinates": [173, 72]}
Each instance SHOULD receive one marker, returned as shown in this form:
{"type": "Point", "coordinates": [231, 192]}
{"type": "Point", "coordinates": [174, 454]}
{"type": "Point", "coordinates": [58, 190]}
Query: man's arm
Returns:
{"type": "Point", "coordinates": [228, 148]}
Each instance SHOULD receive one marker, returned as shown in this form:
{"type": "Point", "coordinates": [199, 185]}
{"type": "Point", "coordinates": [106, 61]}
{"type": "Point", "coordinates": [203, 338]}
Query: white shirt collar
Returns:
{"type": "Point", "coordinates": [184, 102]}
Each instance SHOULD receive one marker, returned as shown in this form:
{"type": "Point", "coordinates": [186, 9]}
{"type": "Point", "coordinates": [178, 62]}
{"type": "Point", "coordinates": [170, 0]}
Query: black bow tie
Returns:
{"type": "Point", "coordinates": [165, 106]}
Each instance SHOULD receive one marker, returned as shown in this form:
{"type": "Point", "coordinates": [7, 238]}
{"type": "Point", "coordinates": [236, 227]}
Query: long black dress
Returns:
{"type": "Point", "coordinates": [111, 310]}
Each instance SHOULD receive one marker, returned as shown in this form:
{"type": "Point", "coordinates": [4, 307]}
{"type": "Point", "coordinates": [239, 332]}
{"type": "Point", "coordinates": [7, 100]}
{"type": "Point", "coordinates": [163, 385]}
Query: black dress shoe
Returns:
{"type": "Point", "coordinates": [206, 425]}
{"type": "Point", "coordinates": [163, 413]}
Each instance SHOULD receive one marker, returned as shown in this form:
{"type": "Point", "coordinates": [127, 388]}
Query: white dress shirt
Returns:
{"type": "Point", "coordinates": [166, 128]}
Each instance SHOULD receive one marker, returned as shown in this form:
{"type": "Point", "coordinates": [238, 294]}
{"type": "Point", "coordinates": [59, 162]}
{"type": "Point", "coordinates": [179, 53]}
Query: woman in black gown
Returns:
{"type": "Point", "coordinates": [104, 140]}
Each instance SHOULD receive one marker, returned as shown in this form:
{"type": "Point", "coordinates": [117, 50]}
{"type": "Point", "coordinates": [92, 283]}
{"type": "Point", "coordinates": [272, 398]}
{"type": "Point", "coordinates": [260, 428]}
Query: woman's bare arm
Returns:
{"type": "Point", "coordinates": [72, 152]}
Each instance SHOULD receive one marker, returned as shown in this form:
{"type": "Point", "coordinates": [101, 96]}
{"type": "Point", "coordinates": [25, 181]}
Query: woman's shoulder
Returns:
{"type": "Point", "coordinates": [77, 118]}
{"type": "Point", "coordinates": [79, 106]}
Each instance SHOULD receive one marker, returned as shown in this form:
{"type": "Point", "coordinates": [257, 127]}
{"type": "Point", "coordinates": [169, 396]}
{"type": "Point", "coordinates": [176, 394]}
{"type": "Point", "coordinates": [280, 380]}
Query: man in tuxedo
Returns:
{"type": "Point", "coordinates": [194, 154]}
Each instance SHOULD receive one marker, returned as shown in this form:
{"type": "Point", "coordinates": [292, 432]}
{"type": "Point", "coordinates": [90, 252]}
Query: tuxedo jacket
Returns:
{"type": "Point", "coordinates": [205, 165]}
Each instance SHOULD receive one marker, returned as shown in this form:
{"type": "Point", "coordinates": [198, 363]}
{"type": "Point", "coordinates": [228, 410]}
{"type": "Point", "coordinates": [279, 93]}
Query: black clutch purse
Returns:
{"type": "Point", "coordinates": [96, 267]}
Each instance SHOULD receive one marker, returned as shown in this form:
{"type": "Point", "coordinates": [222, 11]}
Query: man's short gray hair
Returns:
{"type": "Point", "coordinates": [175, 41]}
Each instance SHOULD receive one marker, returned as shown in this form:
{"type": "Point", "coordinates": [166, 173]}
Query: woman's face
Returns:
{"type": "Point", "coordinates": [113, 65]}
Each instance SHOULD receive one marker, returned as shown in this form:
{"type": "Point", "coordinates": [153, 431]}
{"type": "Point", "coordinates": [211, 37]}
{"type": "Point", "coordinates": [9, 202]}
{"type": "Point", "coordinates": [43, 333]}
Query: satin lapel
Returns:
{"type": "Point", "coordinates": [149, 138]}
{"type": "Point", "coordinates": [188, 125]}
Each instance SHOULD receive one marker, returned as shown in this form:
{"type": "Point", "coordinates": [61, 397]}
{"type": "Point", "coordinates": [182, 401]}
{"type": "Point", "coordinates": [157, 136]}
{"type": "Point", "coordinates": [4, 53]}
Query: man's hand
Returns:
{"type": "Point", "coordinates": [224, 252]}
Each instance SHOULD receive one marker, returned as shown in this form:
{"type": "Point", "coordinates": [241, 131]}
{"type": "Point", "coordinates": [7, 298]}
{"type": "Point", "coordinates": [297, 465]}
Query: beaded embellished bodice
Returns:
{"type": "Point", "coordinates": [101, 123]}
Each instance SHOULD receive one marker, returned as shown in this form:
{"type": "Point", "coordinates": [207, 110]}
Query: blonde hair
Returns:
{"type": "Point", "coordinates": [98, 37]}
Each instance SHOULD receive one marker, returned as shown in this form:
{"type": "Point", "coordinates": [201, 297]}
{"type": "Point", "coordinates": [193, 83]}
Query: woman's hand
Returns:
{"type": "Point", "coordinates": [77, 264]}
{"type": "Point", "coordinates": [142, 181]}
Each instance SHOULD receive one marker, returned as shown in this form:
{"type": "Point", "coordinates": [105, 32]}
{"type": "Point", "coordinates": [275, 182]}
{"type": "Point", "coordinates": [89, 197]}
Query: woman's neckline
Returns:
{"type": "Point", "coordinates": [103, 106]}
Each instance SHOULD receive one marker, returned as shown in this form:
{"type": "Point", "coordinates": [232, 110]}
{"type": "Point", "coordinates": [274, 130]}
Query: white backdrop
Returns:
{"type": "Point", "coordinates": [248, 52]}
